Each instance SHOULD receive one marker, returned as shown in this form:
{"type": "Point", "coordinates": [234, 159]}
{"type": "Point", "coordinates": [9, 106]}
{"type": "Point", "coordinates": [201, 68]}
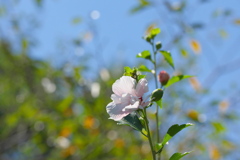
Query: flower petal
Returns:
{"type": "Point", "coordinates": [116, 99]}
{"type": "Point", "coordinates": [142, 87]}
{"type": "Point", "coordinates": [123, 85]}
{"type": "Point", "coordinates": [144, 104]}
{"type": "Point", "coordinates": [116, 111]}
{"type": "Point", "coordinates": [132, 107]}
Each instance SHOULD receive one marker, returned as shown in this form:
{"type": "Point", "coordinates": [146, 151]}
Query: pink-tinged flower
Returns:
{"type": "Point", "coordinates": [127, 97]}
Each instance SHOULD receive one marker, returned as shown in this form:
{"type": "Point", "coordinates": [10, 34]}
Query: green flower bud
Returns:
{"type": "Point", "coordinates": [158, 45]}
{"type": "Point", "coordinates": [157, 95]}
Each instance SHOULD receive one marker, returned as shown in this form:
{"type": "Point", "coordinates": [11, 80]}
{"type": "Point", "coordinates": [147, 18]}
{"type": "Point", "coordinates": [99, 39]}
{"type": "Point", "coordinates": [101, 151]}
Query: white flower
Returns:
{"type": "Point", "coordinates": [127, 97]}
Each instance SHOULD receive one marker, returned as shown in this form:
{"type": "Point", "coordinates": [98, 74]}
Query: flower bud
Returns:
{"type": "Point", "coordinates": [157, 95]}
{"type": "Point", "coordinates": [163, 77]}
{"type": "Point", "coordinates": [158, 45]}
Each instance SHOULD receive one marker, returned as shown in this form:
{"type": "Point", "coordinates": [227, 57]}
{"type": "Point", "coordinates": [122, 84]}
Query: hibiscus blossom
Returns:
{"type": "Point", "coordinates": [127, 97]}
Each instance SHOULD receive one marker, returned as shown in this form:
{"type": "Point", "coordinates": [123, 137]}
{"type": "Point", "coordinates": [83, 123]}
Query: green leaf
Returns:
{"type": "Point", "coordinates": [184, 53]}
{"type": "Point", "coordinates": [155, 32]}
{"type": "Point", "coordinates": [127, 71]}
{"type": "Point", "coordinates": [143, 68]}
{"type": "Point", "coordinates": [133, 121]}
{"type": "Point", "coordinates": [66, 103]}
{"type": "Point", "coordinates": [25, 44]}
{"type": "Point", "coordinates": [219, 128]}
{"type": "Point", "coordinates": [173, 130]}
{"type": "Point", "coordinates": [143, 4]}
{"type": "Point", "coordinates": [38, 2]}
{"type": "Point", "coordinates": [159, 103]}
{"type": "Point", "coordinates": [158, 146]}
{"type": "Point", "coordinates": [140, 77]}
{"type": "Point", "coordinates": [177, 156]}
{"type": "Point", "coordinates": [131, 72]}
{"type": "Point", "coordinates": [145, 54]}
{"type": "Point", "coordinates": [76, 20]}
{"type": "Point", "coordinates": [152, 34]}
{"type": "Point", "coordinates": [167, 56]}
{"type": "Point", "coordinates": [175, 79]}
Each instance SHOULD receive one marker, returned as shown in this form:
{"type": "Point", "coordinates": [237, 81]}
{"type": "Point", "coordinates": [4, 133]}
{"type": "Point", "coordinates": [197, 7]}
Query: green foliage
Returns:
{"type": "Point", "coordinates": [133, 73]}
{"type": "Point", "coordinates": [173, 130]}
{"type": "Point", "coordinates": [157, 95]}
{"type": "Point", "coordinates": [159, 103]}
{"type": "Point", "coordinates": [158, 45]}
{"type": "Point", "coordinates": [132, 121]}
{"type": "Point", "coordinates": [219, 128]}
{"type": "Point", "coordinates": [152, 34]}
{"type": "Point", "coordinates": [177, 156]}
{"type": "Point", "coordinates": [167, 56]}
{"type": "Point", "coordinates": [76, 20]}
{"type": "Point", "coordinates": [142, 5]}
{"type": "Point", "coordinates": [145, 54]}
{"type": "Point", "coordinates": [176, 79]}
{"type": "Point", "coordinates": [143, 68]}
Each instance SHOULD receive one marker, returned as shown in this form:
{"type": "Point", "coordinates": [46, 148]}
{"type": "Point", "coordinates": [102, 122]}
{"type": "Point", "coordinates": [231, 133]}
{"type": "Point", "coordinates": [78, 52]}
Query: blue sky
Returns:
{"type": "Point", "coordinates": [120, 34]}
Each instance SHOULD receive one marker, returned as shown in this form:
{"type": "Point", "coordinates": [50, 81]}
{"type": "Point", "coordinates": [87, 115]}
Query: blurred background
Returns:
{"type": "Point", "coordinates": [59, 59]}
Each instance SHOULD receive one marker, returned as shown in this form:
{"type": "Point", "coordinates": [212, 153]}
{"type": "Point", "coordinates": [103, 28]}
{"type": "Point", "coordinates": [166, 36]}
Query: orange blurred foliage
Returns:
{"type": "Point", "coordinates": [214, 153]}
{"type": "Point", "coordinates": [195, 45]}
{"type": "Point", "coordinates": [119, 143]}
{"type": "Point", "coordinates": [88, 122]}
{"type": "Point", "coordinates": [195, 83]}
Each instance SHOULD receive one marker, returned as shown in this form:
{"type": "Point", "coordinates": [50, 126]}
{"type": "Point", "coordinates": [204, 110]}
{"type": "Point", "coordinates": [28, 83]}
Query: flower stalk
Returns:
{"type": "Point", "coordinates": [149, 134]}
{"type": "Point", "coordinates": [156, 85]}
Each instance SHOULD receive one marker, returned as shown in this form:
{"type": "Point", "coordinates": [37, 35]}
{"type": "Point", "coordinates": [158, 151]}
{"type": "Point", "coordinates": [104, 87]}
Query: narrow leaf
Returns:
{"type": "Point", "coordinates": [145, 54]}
{"type": "Point", "coordinates": [132, 121]}
{"type": "Point", "coordinates": [177, 156]}
{"type": "Point", "coordinates": [184, 53]}
{"type": "Point", "coordinates": [167, 56]}
{"type": "Point", "coordinates": [173, 130]}
{"type": "Point", "coordinates": [175, 79]}
{"type": "Point", "coordinates": [143, 68]}
{"type": "Point", "coordinates": [143, 4]}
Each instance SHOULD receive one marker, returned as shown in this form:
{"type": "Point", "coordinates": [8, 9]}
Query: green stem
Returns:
{"type": "Point", "coordinates": [149, 134]}
{"type": "Point", "coordinates": [156, 85]}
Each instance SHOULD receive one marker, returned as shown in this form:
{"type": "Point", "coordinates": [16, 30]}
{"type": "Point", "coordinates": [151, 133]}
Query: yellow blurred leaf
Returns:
{"type": "Point", "coordinates": [119, 143]}
{"type": "Point", "coordinates": [184, 53]}
{"type": "Point", "coordinates": [195, 45]}
{"type": "Point", "coordinates": [149, 28]}
{"type": "Point", "coordinates": [65, 132]}
{"type": "Point", "coordinates": [195, 83]}
{"type": "Point", "coordinates": [237, 21]}
{"type": "Point", "coordinates": [76, 20]}
{"type": "Point", "coordinates": [228, 145]}
{"type": "Point", "coordinates": [88, 122]}
{"type": "Point", "coordinates": [69, 151]}
{"type": "Point", "coordinates": [223, 33]}
{"type": "Point", "coordinates": [214, 153]}
{"type": "Point", "coordinates": [193, 114]}
{"type": "Point", "coordinates": [94, 132]}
